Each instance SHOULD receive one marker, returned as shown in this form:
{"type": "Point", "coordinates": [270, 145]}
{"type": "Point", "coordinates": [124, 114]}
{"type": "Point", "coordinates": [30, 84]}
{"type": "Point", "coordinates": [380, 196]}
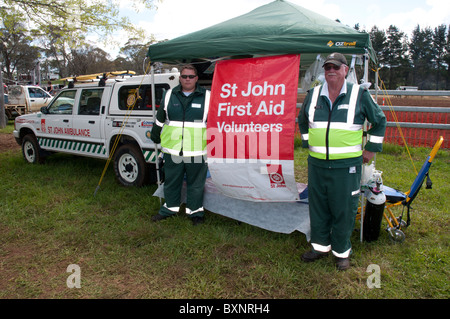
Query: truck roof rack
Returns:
{"type": "Point", "coordinates": [97, 77]}
{"type": "Point", "coordinates": [94, 76]}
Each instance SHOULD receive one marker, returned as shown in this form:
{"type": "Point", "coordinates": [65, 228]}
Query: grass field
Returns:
{"type": "Point", "coordinates": [50, 219]}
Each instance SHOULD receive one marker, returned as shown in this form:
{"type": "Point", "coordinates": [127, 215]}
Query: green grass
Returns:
{"type": "Point", "coordinates": [49, 219]}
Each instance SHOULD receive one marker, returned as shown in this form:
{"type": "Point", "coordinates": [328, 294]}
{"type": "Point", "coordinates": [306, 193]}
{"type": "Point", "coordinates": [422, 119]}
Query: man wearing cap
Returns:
{"type": "Point", "coordinates": [331, 123]}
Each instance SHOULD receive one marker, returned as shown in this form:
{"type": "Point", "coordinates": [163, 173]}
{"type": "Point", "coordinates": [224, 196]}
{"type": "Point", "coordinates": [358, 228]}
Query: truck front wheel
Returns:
{"type": "Point", "coordinates": [31, 150]}
{"type": "Point", "coordinates": [130, 166]}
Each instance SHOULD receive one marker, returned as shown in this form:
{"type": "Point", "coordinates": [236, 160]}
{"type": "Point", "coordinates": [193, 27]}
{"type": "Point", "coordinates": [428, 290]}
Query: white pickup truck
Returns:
{"type": "Point", "coordinates": [23, 99]}
{"type": "Point", "coordinates": [88, 120]}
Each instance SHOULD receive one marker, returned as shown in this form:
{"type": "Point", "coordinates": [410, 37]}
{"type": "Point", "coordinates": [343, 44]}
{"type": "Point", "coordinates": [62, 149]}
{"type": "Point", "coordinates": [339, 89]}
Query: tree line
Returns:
{"type": "Point", "coordinates": [21, 56]}
{"type": "Point", "coordinates": [422, 59]}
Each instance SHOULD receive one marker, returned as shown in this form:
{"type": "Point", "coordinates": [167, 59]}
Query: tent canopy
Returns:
{"type": "Point", "coordinates": [279, 27]}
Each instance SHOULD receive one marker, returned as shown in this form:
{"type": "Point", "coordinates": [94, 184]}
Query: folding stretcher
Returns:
{"type": "Point", "coordinates": [394, 198]}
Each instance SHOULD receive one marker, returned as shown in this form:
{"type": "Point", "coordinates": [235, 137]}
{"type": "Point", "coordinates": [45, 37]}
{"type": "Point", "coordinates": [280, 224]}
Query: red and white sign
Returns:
{"type": "Point", "coordinates": [251, 125]}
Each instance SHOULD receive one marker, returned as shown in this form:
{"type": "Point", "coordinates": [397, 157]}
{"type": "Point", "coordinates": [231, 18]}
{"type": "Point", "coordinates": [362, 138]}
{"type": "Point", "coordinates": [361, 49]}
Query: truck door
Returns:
{"type": "Point", "coordinates": [56, 122]}
{"type": "Point", "coordinates": [38, 98]}
{"type": "Point", "coordinates": [87, 122]}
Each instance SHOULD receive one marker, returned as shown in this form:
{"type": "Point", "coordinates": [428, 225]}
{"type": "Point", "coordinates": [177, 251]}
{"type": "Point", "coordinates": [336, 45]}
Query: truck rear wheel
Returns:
{"type": "Point", "coordinates": [130, 166]}
{"type": "Point", "coordinates": [31, 150]}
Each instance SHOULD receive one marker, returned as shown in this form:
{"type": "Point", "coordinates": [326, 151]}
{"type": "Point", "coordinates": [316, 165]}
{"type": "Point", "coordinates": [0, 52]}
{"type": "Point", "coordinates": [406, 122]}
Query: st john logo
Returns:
{"type": "Point", "coordinates": [275, 176]}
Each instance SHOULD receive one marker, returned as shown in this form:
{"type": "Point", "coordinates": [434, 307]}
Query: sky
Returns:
{"type": "Point", "coordinates": [174, 18]}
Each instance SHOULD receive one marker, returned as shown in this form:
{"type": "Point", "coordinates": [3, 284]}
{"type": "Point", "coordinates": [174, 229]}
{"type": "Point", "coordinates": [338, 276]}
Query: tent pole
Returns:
{"type": "Point", "coordinates": [366, 67]}
{"type": "Point", "coordinates": [158, 178]}
{"type": "Point", "coordinates": [376, 84]}
{"type": "Point", "coordinates": [362, 197]}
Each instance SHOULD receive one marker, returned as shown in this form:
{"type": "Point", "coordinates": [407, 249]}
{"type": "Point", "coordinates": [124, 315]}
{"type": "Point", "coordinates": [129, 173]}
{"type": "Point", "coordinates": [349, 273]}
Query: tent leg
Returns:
{"type": "Point", "coordinates": [361, 221]}
{"type": "Point", "coordinates": [158, 178]}
{"type": "Point", "coordinates": [376, 85]}
{"type": "Point", "coordinates": [366, 67]}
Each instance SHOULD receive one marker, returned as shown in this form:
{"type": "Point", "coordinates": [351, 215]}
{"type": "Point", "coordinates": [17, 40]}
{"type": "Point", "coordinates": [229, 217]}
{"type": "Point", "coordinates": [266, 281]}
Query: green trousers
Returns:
{"type": "Point", "coordinates": [175, 169]}
{"type": "Point", "coordinates": [333, 195]}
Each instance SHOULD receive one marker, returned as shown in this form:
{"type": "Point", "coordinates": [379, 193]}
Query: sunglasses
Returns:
{"type": "Point", "coordinates": [328, 67]}
{"type": "Point", "coordinates": [187, 76]}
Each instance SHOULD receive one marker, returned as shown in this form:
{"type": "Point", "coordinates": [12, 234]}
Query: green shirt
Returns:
{"type": "Point", "coordinates": [326, 114]}
{"type": "Point", "coordinates": [179, 116]}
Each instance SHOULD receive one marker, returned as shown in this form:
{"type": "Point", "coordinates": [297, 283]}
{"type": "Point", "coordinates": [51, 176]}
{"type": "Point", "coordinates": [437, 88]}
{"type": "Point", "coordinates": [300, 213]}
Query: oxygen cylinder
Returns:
{"type": "Point", "coordinates": [373, 213]}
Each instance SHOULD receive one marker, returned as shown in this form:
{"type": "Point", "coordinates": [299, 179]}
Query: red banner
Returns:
{"type": "Point", "coordinates": [255, 100]}
{"type": "Point", "coordinates": [252, 119]}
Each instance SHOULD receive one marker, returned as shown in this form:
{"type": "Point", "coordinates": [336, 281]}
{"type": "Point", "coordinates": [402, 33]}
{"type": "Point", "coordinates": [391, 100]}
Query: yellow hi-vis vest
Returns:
{"type": "Point", "coordinates": [184, 138]}
{"type": "Point", "coordinates": [335, 140]}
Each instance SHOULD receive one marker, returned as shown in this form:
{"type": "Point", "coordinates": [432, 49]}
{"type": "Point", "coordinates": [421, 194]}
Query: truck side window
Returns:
{"type": "Point", "coordinates": [32, 93]}
{"type": "Point", "coordinates": [63, 103]}
{"type": "Point", "coordinates": [90, 101]}
{"type": "Point", "coordinates": [36, 93]}
{"type": "Point", "coordinates": [143, 100]}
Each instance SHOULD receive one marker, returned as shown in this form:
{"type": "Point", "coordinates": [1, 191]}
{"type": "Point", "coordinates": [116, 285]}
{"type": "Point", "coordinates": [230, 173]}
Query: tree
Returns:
{"type": "Point", "coordinates": [88, 60]}
{"type": "Point", "coordinates": [439, 43]}
{"type": "Point", "coordinates": [134, 53]}
{"type": "Point", "coordinates": [447, 60]}
{"type": "Point", "coordinates": [378, 39]}
{"type": "Point", "coordinates": [16, 50]}
{"type": "Point", "coordinates": [421, 53]}
{"type": "Point", "coordinates": [57, 51]}
{"type": "Point", "coordinates": [394, 55]}
{"type": "Point", "coordinates": [61, 26]}
{"type": "Point", "coordinates": [75, 18]}
{"type": "Point", "coordinates": [423, 60]}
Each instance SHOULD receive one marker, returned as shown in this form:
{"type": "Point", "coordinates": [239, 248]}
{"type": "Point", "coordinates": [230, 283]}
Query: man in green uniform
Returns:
{"type": "Point", "coordinates": [181, 130]}
{"type": "Point", "coordinates": [331, 123]}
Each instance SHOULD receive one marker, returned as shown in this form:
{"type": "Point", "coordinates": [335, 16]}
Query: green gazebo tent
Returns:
{"type": "Point", "coordinates": [279, 27]}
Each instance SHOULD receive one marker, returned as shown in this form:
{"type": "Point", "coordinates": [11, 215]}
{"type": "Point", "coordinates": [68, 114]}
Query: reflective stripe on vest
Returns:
{"type": "Point", "coordinates": [335, 140]}
{"type": "Point", "coordinates": [187, 136]}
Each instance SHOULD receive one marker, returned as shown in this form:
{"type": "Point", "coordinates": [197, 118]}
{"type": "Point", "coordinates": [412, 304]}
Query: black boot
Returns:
{"type": "Point", "coordinates": [313, 255]}
{"type": "Point", "coordinates": [159, 217]}
{"type": "Point", "coordinates": [197, 220]}
{"type": "Point", "coordinates": [342, 263]}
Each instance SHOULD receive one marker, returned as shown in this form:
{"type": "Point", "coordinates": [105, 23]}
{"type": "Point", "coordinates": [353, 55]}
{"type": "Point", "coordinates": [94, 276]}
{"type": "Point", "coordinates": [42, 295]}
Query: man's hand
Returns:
{"type": "Point", "coordinates": [367, 156]}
